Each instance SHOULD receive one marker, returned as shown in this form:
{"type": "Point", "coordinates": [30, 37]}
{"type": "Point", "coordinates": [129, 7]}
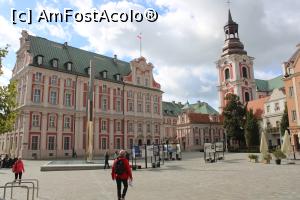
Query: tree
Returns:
{"type": "Point", "coordinates": [251, 129]}
{"type": "Point", "coordinates": [284, 124]}
{"type": "Point", "coordinates": [234, 114]}
{"type": "Point", "coordinates": [8, 101]}
{"type": "Point", "coordinates": [3, 53]}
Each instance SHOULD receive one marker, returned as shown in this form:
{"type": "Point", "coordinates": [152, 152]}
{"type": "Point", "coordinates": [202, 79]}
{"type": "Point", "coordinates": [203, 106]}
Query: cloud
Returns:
{"type": "Point", "coordinates": [60, 31]}
{"type": "Point", "coordinates": [9, 34]}
{"type": "Point", "coordinates": [5, 77]}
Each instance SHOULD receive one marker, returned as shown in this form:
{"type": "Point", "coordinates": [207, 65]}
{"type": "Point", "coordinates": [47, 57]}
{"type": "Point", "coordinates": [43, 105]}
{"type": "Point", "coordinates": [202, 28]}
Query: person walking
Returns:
{"type": "Point", "coordinates": [18, 169]}
{"type": "Point", "coordinates": [121, 172]}
{"type": "Point", "coordinates": [106, 158]}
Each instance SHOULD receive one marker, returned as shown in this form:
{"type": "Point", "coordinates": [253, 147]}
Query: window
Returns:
{"type": "Point", "coordinates": [55, 63]}
{"type": "Point", "coordinates": [103, 125]}
{"type": "Point", "coordinates": [68, 99]}
{"type": "Point", "coordinates": [67, 143]}
{"type": "Point", "coordinates": [130, 94]}
{"type": "Point", "coordinates": [130, 143]}
{"type": "Point", "coordinates": [147, 97]}
{"type": "Point", "coordinates": [119, 92]}
{"type": "Point", "coordinates": [130, 106]}
{"type": "Point", "coordinates": [277, 124]}
{"type": "Point", "coordinates": [38, 77]}
{"type": "Point", "coordinates": [148, 107]}
{"type": "Point", "coordinates": [51, 143]}
{"type": "Point", "coordinates": [196, 141]}
{"type": "Point", "coordinates": [103, 143]}
{"type": "Point", "coordinates": [118, 106]}
{"type": "Point", "coordinates": [130, 127]}
{"type": "Point", "coordinates": [69, 66]}
{"type": "Point", "coordinates": [53, 80]}
{"type": "Point", "coordinates": [53, 97]}
{"type": "Point", "coordinates": [37, 95]}
{"type": "Point", "coordinates": [35, 121]}
{"type": "Point", "coordinates": [294, 116]}
{"type": "Point", "coordinates": [277, 108]}
{"type": "Point", "coordinates": [139, 95]}
{"type": "Point", "coordinates": [268, 108]}
{"type": "Point", "coordinates": [40, 60]}
{"type": "Point", "coordinates": [51, 121]}
{"type": "Point", "coordinates": [104, 104]}
{"type": "Point", "coordinates": [291, 91]}
{"type": "Point", "coordinates": [156, 129]}
{"type": "Point", "coordinates": [227, 74]}
{"type": "Point", "coordinates": [118, 143]}
{"type": "Point", "coordinates": [155, 99]}
{"type": "Point", "coordinates": [118, 126]}
{"type": "Point", "coordinates": [139, 107]}
{"type": "Point", "coordinates": [68, 82]}
{"type": "Point", "coordinates": [118, 77]}
{"type": "Point", "coordinates": [140, 127]}
{"type": "Point", "coordinates": [104, 74]}
{"type": "Point", "coordinates": [245, 75]}
{"type": "Point", "coordinates": [104, 89]}
{"type": "Point", "coordinates": [138, 80]}
{"type": "Point", "coordinates": [148, 128]}
{"type": "Point", "coordinates": [247, 96]}
{"type": "Point", "coordinates": [35, 142]}
{"type": "Point", "coordinates": [155, 107]}
{"type": "Point", "coordinates": [146, 82]}
{"type": "Point", "coordinates": [67, 122]}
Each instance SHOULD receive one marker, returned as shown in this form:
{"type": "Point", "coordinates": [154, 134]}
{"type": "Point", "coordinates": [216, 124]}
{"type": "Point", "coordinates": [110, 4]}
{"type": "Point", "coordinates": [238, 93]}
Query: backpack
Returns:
{"type": "Point", "coordinates": [120, 167]}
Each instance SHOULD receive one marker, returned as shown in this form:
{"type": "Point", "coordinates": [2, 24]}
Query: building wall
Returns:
{"type": "Point", "coordinates": [292, 87]}
{"type": "Point", "coordinates": [48, 129]}
{"type": "Point", "coordinates": [273, 111]}
{"type": "Point", "coordinates": [192, 136]}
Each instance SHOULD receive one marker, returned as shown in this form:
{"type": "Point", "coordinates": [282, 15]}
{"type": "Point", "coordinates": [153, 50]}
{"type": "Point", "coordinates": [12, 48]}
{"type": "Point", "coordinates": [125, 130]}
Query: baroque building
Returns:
{"type": "Point", "coordinates": [52, 98]}
{"type": "Point", "coordinates": [291, 69]}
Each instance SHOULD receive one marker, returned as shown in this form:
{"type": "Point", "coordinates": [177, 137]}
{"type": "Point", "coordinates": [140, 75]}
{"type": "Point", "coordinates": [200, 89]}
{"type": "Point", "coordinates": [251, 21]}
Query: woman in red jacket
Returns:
{"type": "Point", "coordinates": [18, 169]}
{"type": "Point", "coordinates": [121, 172]}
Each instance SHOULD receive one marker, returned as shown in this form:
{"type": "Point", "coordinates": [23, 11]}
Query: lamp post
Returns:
{"type": "Point", "coordinates": [90, 116]}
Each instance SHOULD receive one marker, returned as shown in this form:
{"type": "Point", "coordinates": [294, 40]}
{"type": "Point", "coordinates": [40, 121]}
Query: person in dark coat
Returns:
{"type": "Point", "coordinates": [106, 159]}
{"type": "Point", "coordinates": [121, 172]}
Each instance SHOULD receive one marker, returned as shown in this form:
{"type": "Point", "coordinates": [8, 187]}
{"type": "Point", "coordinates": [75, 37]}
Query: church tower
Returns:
{"type": "Point", "coordinates": [235, 67]}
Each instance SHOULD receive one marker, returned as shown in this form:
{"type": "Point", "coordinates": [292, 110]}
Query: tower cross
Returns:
{"type": "Point", "coordinates": [228, 3]}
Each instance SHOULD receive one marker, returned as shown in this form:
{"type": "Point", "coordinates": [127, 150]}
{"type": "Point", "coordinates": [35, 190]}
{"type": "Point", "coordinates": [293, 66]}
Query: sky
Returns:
{"type": "Point", "coordinates": [183, 44]}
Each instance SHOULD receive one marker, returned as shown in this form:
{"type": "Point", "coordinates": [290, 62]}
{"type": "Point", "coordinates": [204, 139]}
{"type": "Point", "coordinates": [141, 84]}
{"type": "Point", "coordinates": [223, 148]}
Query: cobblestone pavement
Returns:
{"type": "Point", "coordinates": [189, 179]}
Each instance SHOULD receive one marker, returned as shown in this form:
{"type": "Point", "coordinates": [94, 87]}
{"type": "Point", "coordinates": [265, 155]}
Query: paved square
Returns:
{"type": "Point", "coordinates": [190, 179]}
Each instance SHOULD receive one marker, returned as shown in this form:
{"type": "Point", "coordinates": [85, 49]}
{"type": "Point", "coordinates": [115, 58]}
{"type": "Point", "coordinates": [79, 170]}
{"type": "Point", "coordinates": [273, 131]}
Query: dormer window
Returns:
{"type": "Point", "coordinates": [104, 74]}
{"type": "Point", "coordinates": [117, 77]}
{"type": "Point", "coordinates": [69, 66]}
{"type": "Point", "coordinates": [39, 59]}
{"type": "Point", "coordinates": [55, 63]}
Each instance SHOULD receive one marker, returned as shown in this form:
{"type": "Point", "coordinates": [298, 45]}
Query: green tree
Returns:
{"type": "Point", "coordinates": [284, 124]}
{"type": "Point", "coordinates": [251, 129]}
{"type": "Point", "coordinates": [8, 101]}
{"type": "Point", "coordinates": [234, 114]}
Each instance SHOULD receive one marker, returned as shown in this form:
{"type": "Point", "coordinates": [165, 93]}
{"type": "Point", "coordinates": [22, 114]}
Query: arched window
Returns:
{"type": "Point", "coordinates": [245, 74]}
{"type": "Point", "coordinates": [227, 75]}
{"type": "Point", "coordinates": [140, 142]}
{"type": "Point", "coordinates": [247, 96]}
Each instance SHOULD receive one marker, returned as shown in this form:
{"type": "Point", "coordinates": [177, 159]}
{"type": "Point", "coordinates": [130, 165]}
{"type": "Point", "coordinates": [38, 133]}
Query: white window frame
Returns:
{"type": "Point", "coordinates": [67, 122]}
{"type": "Point", "coordinates": [53, 99]}
{"type": "Point", "coordinates": [103, 125]}
{"type": "Point", "coordinates": [37, 143]}
{"type": "Point", "coordinates": [67, 143]}
{"type": "Point", "coordinates": [68, 98]}
{"type": "Point", "coordinates": [37, 95]}
{"type": "Point", "coordinates": [49, 144]}
{"type": "Point", "coordinates": [35, 120]}
{"type": "Point", "coordinates": [52, 121]}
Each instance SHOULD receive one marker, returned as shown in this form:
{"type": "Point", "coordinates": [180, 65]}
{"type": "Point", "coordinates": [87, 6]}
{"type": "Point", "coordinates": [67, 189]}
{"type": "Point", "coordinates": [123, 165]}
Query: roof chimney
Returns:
{"type": "Point", "coordinates": [115, 58]}
{"type": "Point", "coordinates": [65, 45]}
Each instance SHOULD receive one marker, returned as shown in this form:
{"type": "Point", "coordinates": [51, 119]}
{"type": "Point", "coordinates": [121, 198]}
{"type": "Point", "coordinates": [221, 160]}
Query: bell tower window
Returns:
{"type": "Point", "coordinates": [244, 72]}
{"type": "Point", "coordinates": [247, 96]}
{"type": "Point", "coordinates": [227, 74]}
